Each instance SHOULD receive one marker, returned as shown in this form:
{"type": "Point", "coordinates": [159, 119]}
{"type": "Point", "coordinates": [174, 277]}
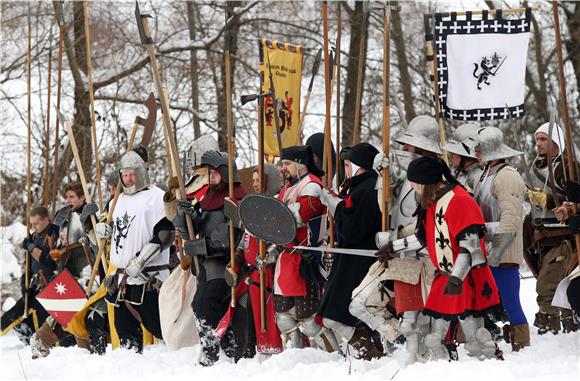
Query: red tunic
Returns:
{"type": "Point", "coordinates": [445, 221]}
{"type": "Point", "coordinates": [287, 278]}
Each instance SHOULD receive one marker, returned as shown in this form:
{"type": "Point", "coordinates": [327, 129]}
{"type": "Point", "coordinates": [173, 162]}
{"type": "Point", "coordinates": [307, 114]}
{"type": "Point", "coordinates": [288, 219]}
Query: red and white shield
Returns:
{"type": "Point", "coordinates": [62, 298]}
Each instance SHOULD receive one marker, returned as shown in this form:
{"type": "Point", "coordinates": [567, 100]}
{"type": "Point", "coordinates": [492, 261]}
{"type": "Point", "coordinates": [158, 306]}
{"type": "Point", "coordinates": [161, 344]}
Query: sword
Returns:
{"type": "Point", "coordinates": [357, 252]}
{"type": "Point", "coordinates": [501, 63]}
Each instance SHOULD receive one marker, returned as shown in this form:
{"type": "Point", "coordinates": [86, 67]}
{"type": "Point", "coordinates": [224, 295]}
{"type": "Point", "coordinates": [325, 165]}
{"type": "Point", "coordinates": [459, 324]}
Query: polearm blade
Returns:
{"type": "Point", "coordinates": [149, 123]}
{"type": "Point", "coordinates": [334, 250]}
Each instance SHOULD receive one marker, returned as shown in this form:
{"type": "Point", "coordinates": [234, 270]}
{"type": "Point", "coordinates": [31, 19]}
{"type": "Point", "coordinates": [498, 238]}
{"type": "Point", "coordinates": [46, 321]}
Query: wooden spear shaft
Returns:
{"type": "Point", "coordinates": [386, 117]}
{"type": "Point", "coordinates": [101, 253]}
{"type": "Point", "coordinates": [92, 101]}
{"type": "Point", "coordinates": [327, 132]}
{"type": "Point", "coordinates": [57, 124]}
{"type": "Point", "coordinates": [47, 135]}
{"type": "Point", "coordinates": [100, 244]}
{"type": "Point", "coordinates": [174, 163]}
{"type": "Point", "coordinates": [28, 161]}
{"type": "Point", "coordinates": [230, 131]}
{"type": "Point", "coordinates": [261, 243]}
{"type": "Point", "coordinates": [337, 81]}
{"type": "Point", "coordinates": [565, 113]}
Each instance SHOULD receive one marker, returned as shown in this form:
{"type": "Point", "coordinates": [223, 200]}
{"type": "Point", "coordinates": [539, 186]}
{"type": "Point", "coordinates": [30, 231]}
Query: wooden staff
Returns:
{"type": "Point", "coordinates": [565, 113]}
{"type": "Point", "coordinates": [68, 128]}
{"type": "Point", "coordinates": [92, 101]}
{"type": "Point", "coordinates": [60, 18]}
{"type": "Point", "coordinates": [337, 76]}
{"type": "Point", "coordinates": [28, 161]}
{"type": "Point", "coordinates": [262, 244]}
{"type": "Point", "coordinates": [47, 135]}
{"type": "Point", "coordinates": [386, 116]}
{"type": "Point", "coordinates": [359, 80]}
{"type": "Point", "coordinates": [229, 123]}
{"type": "Point", "coordinates": [174, 163]}
{"type": "Point", "coordinates": [431, 51]}
{"type": "Point", "coordinates": [327, 157]}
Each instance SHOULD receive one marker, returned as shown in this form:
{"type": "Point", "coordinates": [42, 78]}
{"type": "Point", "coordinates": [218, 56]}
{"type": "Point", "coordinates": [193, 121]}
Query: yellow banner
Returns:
{"type": "Point", "coordinates": [285, 61]}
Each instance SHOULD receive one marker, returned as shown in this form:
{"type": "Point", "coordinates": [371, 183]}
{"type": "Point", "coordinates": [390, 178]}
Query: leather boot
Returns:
{"type": "Point", "coordinates": [569, 322]}
{"type": "Point", "coordinates": [521, 336]}
{"type": "Point", "coordinates": [42, 340]}
{"type": "Point", "coordinates": [508, 333]}
{"type": "Point", "coordinates": [364, 345]}
{"type": "Point", "coordinates": [83, 343]}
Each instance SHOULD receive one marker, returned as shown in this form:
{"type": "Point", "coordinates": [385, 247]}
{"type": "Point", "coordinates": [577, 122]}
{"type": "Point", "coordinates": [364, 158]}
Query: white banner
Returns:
{"type": "Point", "coordinates": [481, 65]}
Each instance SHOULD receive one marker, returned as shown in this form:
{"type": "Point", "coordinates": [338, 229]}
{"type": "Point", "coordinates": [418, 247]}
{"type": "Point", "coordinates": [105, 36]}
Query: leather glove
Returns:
{"type": "Point", "coordinates": [28, 244]}
{"type": "Point", "coordinates": [184, 206]}
{"type": "Point", "coordinates": [380, 162]}
{"type": "Point", "coordinates": [295, 209]}
{"type": "Point", "coordinates": [537, 197]}
{"type": "Point", "coordinates": [386, 253]}
{"type": "Point", "coordinates": [330, 200]}
{"type": "Point", "coordinates": [454, 286]}
{"type": "Point", "coordinates": [103, 230]}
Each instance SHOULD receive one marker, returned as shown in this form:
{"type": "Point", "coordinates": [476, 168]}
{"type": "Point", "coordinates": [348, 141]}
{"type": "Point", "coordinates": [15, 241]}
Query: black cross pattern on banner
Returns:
{"type": "Point", "coordinates": [448, 24]}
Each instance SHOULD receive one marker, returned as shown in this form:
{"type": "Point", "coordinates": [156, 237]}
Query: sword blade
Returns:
{"type": "Point", "coordinates": [334, 250]}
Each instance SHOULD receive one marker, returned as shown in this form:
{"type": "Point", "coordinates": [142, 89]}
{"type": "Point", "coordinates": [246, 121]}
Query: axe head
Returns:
{"type": "Point", "coordinates": [60, 117]}
{"type": "Point", "coordinates": [149, 122]}
{"type": "Point", "coordinates": [145, 39]}
{"type": "Point", "coordinates": [316, 64]}
{"type": "Point", "coordinates": [248, 98]}
{"type": "Point", "coordinates": [60, 13]}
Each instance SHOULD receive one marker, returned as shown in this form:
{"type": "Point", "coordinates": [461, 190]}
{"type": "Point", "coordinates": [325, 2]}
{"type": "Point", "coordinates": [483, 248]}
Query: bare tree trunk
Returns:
{"type": "Point", "coordinates": [573, 42]}
{"type": "Point", "coordinates": [348, 106]}
{"type": "Point", "coordinates": [541, 94]}
{"type": "Point", "coordinates": [231, 44]}
{"type": "Point", "coordinates": [403, 63]}
{"type": "Point", "coordinates": [76, 55]}
{"type": "Point", "coordinates": [193, 68]}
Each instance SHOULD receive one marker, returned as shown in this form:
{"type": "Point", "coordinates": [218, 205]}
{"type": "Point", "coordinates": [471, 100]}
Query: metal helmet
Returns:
{"type": "Point", "coordinates": [219, 161]}
{"type": "Point", "coordinates": [199, 146]}
{"type": "Point", "coordinates": [272, 179]}
{"type": "Point", "coordinates": [489, 142]}
{"type": "Point", "coordinates": [454, 145]}
{"type": "Point", "coordinates": [423, 132]}
{"type": "Point", "coordinates": [133, 161]}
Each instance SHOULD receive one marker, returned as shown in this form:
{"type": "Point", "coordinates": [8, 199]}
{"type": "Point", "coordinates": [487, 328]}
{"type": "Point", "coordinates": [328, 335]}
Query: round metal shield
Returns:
{"type": "Point", "coordinates": [268, 218]}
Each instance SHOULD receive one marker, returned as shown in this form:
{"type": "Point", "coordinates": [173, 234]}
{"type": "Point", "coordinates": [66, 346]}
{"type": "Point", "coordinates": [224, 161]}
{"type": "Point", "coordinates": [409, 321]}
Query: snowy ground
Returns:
{"type": "Point", "coordinates": [549, 358]}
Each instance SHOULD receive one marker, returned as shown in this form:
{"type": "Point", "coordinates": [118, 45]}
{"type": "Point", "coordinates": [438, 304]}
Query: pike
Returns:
{"type": "Point", "coordinates": [357, 252]}
{"type": "Point", "coordinates": [386, 117]}
{"type": "Point", "coordinates": [261, 243]}
{"type": "Point", "coordinates": [28, 159]}
{"type": "Point", "coordinates": [337, 61]}
{"type": "Point", "coordinates": [230, 167]}
{"type": "Point", "coordinates": [148, 125]}
{"type": "Point", "coordinates": [327, 156]}
{"type": "Point", "coordinates": [67, 125]}
{"type": "Point", "coordinates": [92, 102]}
{"type": "Point", "coordinates": [171, 148]}
{"type": "Point", "coordinates": [47, 136]}
{"type": "Point", "coordinates": [566, 116]}
{"type": "Point", "coordinates": [315, 67]}
{"type": "Point", "coordinates": [60, 18]}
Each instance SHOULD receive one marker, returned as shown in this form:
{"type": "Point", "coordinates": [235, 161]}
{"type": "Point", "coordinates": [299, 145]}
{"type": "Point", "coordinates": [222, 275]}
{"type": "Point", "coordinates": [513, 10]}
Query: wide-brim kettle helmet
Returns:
{"type": "Point", "coordinates": [133, 161]}
{"type": "Point", "coordinates": [219, 161]}
{"type": "Point", "coordinates": [455, 143]}
{"type": "Point", "coordinates": [489, 142]}
{"type": "Point", "coordinates": [423, 132]}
